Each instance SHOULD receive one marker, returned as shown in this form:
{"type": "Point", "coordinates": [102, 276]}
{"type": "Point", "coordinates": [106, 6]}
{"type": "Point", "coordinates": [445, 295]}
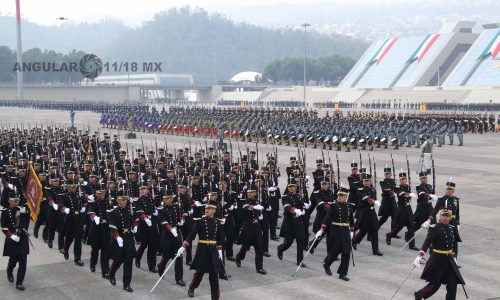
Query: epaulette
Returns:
{"type": "Point", "coordinates": [315, 192]}
{"type": "Point", "coordinates": [432, 225]}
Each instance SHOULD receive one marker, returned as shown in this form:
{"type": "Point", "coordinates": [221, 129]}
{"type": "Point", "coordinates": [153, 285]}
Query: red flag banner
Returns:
{"type": "Point", "coordinates": [33, 193]}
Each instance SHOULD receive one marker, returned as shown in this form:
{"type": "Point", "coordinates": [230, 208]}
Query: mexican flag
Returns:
{"type": "Point", "coordinates": [422, 49]}
{"type": "Point", "coordinates": [493, 47]}
{"type": "Point", "coordinates": [382, 51]}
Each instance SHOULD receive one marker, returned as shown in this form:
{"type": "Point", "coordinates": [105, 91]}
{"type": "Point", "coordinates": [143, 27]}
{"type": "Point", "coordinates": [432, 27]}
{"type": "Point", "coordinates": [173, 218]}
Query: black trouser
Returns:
{"type": "Point", "coordinates": [409, 233]}
{"type": "Point", "coordinates": [21, 272]}
{"type": "Point", "coordinates": [60, 230]}
{"type": "Point", "coordinates": [74, 233]}
{"type": "Point", "coordinates": [229, 245]}
{"type": "Point", "coordinates": [344, 260]}
{"type": "Point", "coordinates": [151, 255]}
{"type": "Point", "coordinates": [189, 250]}
{"type": "Point", "coordinates": [127, 270]}
{"type": "Point", "coordinates": [94, 254]}
{"type": "Point", "coordinates": [259, 257]}
{"type": "Point", "coordinates": [265, 234]}
{"type": "Point", "coordinates": [432, 287]}
{"type": "Point", "coordinates": [301, 246]}
{"type": "Point", "coordinates": [179, 272]}
{"type": "Point", "coordinates": [374, 237]}
{"type": "Point", "coordinates": [213, 277]}
{"type": "Point", "coordinates": [273, 220]}
{"type": "Point", "coordinates": [388, 213]}
{"type": "Point", "coordinates": [51, 223]}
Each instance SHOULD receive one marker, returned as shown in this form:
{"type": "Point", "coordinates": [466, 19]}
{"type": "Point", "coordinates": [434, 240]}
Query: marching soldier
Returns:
{"type": "Point", "coordinates": [425, 193]}
{"type": "Point", "coordinates": [339, 223]}
{"type": "Point", "coordinates": [100, 235]}
{"type": "Point", "coordinates": [388, 206]}
{"type": "Point", "coordinates": [251, 231]}
{"type": "Point", "coordinates": [404, 212]}
{"type": "Point", "coordinates": [451, 203]}
{"type": "Point", "coordinates": [293, 227]}
{"type": "Point", "coordinates": [122, 226]}
{"type": "Point", "coordinates": [367, 221]}
{"type": "Point", "coordinates": [170, 220]}
{"type": "Point", "coordinates": [322, 200]}
{"type": "Point", "coordinates": [73, 211]}
{"type": "Point", "coordinates": [441, 266]}
{"type": "Point", "coordinates": [147, 234]}
{"type": "Point", "coordinates": [15, 222]}
{"type": "Point", "coordinates": [208, 256]}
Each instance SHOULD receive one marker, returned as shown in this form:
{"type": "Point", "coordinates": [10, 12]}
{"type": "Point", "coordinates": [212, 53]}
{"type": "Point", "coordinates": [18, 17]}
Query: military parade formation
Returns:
{"type": "Point", "coordinates": [165, 203]}
{"type": "Point", "coordinates": [337, 130]}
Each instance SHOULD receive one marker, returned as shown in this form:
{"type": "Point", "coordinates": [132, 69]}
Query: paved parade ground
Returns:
{"type": "Point", "coordinates": [475, 168]}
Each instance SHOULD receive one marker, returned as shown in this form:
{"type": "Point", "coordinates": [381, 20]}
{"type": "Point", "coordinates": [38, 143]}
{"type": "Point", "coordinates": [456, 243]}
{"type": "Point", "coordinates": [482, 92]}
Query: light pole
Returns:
{"type": "Point", "coordinates": [20, 83]}
{"type": "Point", "coordinates": [305, 25]}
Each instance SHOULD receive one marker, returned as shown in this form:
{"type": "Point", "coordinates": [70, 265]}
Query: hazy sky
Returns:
{"type": "Point", "coordinates": [133, 12]}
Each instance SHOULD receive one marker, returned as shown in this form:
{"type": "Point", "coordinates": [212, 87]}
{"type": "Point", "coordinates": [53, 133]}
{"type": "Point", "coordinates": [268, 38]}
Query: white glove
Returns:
{"type": "Point", "coordinates": [66, 210]}
{"type": "Point", "coordinates": [174, 232]}
{"type": "Point", "coordinates": [204, 199]}
{"type": "Point", "coordinates": [134, 230]}
{"type": "Point", "coordinates": [307, 205]}
{"type": "Point", "coordinates": [413, 196]}
{"type": "Point", "coordinates": [220, 254]}
{"type": "Point", "coordinates": [190, 211]}
{"type": "Point", "coordinates": [123, 181]}
{"type": "Point", "coordinates": [181, 223]}
{"type": "Point", "coordinates": [55, 206]}
{"type": "Point", "coordinates": [258, 207]}
{"type": "Point", "coordinates": [352, 235]}
{"type": "Point", "coordinates": [235, 206]}
{"type": "Point", "coordinates": [148, 222]}
{"type": "Point", "coordinates": [272, 189]}
{"type": "Point", "coordinates": [269, 208]}
{"type": "Point", "coordinates": [298, 212]}
{"type": "Point", "coordinates": [261, 217]}
{"type": "Point", "coordinates": [97, 220]}
{"type": "Point", "coordinates": [10, 186]}
{"type": "Point", "coordinates": [377, 204]}
{"type": "Point", "coordinates": [426, 224]}
{"type": "Point", "coordinates": [22, 209]}
{"type": "Point", "coordinates": [155, 213]}
{"type": "Point", "coordinates": [458, 227]}
{"type": "Point", "coordinates": [433, 197]}
{"type": "Point", "coordinates": [198, 204]}
{"type": "Point", "coordinates": [319, 234]}
{"type": "Point", "coordinates": [417, 261]}
{"type": "Point", "coordinates": [119, 240]}
{"type": "Point", "coordinates": [181, 251]}
{"type": "Point", "coordinates": [91, 198]}
{"type": "Point", "coordinates": [15, 238]}
{"type": "Point", "coordinates": [82, 210]}
{"type": "Point", "coordinates": [37, 157]}
{"type": "Point", "coordinates": [230, 208]}
{"type": "Point", "coordinates": [222, 221]}
{"type": "Point", "coordinates": [84, 183]}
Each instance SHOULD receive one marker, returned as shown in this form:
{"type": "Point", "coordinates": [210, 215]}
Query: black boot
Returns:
{"type": "Point", "coordinates": [128, 289]}
{"type": "Point", "coordinates": [191, 291]}
{"type": "Point", "coordinates": [344, 277]}
{"type": "Point", "coordinates": [327, 270]}
{"type": "Point", "coordinates": [180, 282]}
{"type": "Point", "coordinates": [388, 239]}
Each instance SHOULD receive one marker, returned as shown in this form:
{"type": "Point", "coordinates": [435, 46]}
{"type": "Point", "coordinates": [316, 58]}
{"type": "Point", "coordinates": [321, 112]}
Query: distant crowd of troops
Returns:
{"type": "Point", "coordinates": [338, 130]}
{"type": "Point", "coordinates": [124, 204]}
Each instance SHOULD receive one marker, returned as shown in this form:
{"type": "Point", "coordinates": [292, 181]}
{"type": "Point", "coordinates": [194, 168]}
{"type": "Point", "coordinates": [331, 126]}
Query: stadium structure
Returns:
{"type": "Point", "coordinates": [453, 65]}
